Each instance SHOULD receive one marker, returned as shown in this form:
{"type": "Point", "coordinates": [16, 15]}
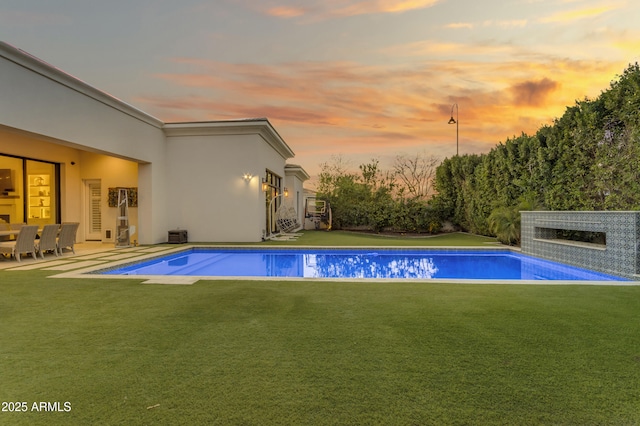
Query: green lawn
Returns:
{"type": "Point", "coordinates": [344, 238]}
{"type": "Point", "coordinates": [264, 352]}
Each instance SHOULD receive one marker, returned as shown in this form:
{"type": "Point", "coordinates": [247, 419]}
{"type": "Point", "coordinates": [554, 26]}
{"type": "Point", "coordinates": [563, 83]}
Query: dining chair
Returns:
{"type": "Point", "coordinates": [48, 239]}
{"type": "Point", "coordinates": [67, 237]}
{"type": "Point", "coordinates": [25, 242]}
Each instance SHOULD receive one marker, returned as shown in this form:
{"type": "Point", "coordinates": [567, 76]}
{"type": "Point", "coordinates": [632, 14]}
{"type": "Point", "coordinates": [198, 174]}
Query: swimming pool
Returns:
{"type": "Point", "coordinates": [359, 263]}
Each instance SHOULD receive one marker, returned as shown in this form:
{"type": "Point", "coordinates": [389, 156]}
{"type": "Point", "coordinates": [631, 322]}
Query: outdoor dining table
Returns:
{"type": "Point", "coordinates": [10, 232]}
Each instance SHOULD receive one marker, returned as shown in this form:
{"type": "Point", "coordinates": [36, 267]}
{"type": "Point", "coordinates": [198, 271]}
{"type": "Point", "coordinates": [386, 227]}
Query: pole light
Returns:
{"type": "Point", "coordinates": [456, 122]}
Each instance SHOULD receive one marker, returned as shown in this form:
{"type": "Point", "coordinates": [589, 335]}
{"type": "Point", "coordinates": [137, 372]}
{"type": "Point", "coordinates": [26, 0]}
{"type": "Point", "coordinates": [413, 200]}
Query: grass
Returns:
{"type": "Point", "coordinates": [345, 238]}
{"type": "Point", "coordinates": [240, 352]}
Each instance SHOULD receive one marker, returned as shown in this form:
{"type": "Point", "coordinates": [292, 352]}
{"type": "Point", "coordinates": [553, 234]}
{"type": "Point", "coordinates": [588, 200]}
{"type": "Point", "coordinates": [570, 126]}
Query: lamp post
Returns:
{"type": "Point", "coordinates": [455, 121]}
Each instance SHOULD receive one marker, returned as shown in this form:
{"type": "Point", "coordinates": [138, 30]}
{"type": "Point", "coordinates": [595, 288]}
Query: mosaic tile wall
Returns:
{"type": "Point", "coordinates": [620, 256]}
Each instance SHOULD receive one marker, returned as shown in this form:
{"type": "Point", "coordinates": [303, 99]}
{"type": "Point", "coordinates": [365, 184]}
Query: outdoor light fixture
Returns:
{"type": "Point", "coordinates": [265, 186]}
{"type": "Point", "coordinates": [455, 121]}
{"type": "Point", "coordinates": [247, 177]}
{"type": "Point", "coordinates": [286, 192]}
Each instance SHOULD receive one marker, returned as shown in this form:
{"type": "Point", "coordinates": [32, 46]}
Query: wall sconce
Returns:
{"type": "Point", "coordinates": [265, 186]}
{"type": "Point", "coordinates": [286, 192]}
{"type": "Point", "coordinates": [247, 177]}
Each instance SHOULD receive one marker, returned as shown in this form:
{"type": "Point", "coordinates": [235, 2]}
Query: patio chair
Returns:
{"type": "Point", "coordinates": [67, 236]}
{"type": "Point", "coordinates": [48, 239]}
{"type": "Point", "coordinates": [25, 242]}
{"type": "Point", "coordinates": [286, 219]}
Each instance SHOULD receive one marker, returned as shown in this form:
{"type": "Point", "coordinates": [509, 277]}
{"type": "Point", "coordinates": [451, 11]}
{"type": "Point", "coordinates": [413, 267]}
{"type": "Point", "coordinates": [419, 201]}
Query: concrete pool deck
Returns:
{"type": "Point", "coordinates": [92, 256]}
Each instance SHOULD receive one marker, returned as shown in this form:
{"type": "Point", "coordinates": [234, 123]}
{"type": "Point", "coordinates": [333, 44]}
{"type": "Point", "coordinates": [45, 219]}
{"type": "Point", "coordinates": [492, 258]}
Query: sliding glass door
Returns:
{"type": "Point", "coordinates": [11, 190]}
{"type": "Point", "coordinates": [29, 191]}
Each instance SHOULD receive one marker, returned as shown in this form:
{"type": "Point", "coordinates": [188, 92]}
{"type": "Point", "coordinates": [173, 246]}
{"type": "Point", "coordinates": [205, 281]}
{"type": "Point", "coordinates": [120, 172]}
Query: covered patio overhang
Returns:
{"type": "Point", "coordinates": [48, 114]}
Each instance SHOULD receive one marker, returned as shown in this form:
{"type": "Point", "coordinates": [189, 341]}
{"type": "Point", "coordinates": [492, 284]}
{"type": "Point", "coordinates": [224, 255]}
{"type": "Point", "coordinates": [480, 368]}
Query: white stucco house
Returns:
{"type": "Point", "coordinates": [65, 144]}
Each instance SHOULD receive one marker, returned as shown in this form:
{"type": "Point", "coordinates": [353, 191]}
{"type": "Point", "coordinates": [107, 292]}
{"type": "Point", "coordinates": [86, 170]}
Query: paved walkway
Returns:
{"type": "Point", "coordinates": [86, 255]}
{"type": "Point", "coordinates": [92, 256]}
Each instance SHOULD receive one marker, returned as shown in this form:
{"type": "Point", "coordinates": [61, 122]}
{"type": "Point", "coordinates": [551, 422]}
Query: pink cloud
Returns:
{"type": "Point", "coordinates": [381, 6]}
{"type": "Point", "coordinates": [286, 12]}
{"type": "Point", "coordinates": [349, 107]}
{"type": "Point", "coordinates": [288, 9]}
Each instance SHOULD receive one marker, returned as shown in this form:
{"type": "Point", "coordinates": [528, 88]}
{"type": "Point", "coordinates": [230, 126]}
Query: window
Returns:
{"type": "Point", "coordinates": [272, 202]}
{"type": "Point", "coordinates": [29, 191]}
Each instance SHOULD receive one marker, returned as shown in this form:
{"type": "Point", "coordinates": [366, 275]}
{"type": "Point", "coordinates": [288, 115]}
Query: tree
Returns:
{"type": "Point", "coordinates": [504, 222]}
{"type": "Point", "coordinates": [416, 174]}
{"type": "Point", "coordinates": [589, 159]}
{"type": "Point", "coordinates": [368, 200]}
{"type": "Point", "coordinates": [331, 172]}
{"type": "Point", "coordinates": [378, 205]}
{"type": "Point", "coordinates": [357, 200]}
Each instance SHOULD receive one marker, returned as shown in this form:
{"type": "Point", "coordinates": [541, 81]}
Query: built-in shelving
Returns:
{"type": "Point", "coordinates": [39, 196]}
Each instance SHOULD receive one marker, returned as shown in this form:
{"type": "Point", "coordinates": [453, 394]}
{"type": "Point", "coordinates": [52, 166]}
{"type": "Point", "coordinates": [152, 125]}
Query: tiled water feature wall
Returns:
{"type": "Point", "coordinates": [618, 253]}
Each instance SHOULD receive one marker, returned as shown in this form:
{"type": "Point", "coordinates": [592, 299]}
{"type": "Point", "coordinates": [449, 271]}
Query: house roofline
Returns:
{"type": "Point", "coordinates": [297, 171]}
{"type": "Point", "coordinates": [260, 126]}
{"type": "Point", "coordinates": [37, 65]}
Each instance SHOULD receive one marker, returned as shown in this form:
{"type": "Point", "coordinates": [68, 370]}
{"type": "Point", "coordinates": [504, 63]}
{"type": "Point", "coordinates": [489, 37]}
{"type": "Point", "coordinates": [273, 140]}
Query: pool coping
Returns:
{"type": "Point", "coordinates": [89, 272]}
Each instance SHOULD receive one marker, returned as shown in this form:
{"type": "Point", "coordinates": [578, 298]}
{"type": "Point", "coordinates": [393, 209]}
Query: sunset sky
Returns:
{"type": "Point", "coordinates": [356, 78]}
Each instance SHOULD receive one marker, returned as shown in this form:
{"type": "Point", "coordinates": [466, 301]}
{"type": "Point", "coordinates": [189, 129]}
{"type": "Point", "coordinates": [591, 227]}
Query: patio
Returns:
{"type": "Point", "coordinates": [87, 254]}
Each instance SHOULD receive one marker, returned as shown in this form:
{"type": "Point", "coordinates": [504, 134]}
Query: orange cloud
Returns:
{"type": "Point", "coordinates": [286, 12]}
{"type": "Point", "coordinates": [500, 24]}
{"type": "Point", "coordinates": [458, 50]}
{"type": "Point", "coordinates": [626, 41]}
{"type": "Point", "coordinates": [456, 25]}
{"type": "Point", "coordinates": [508, 24]}
{"type": "Point", "coordinates": [347, 107]}
{"type": "Point", "coordinates": [383, 6]}
{"type": "Point", "coordinates": [342, 8]}
{"type": "Point", "coordinates": [632, 46]}
{"type": "Point", "coordinates": [533, 93]}
{"type": "Point", "coordinates": [578, 14]}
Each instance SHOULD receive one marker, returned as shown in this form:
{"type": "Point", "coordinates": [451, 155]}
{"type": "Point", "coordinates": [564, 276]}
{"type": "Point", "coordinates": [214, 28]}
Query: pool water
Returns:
{"type": "Point", "coordinates": [367, 263]}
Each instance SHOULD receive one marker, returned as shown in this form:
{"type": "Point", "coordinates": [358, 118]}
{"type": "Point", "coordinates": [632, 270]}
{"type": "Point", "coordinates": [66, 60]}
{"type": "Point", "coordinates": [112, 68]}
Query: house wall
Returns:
{"type": "Point", "coordinates": [209, 196]}
{"type": "Point", "coordinates": [294, 181]}
{"type": "Point", "coordinates": [189, 175]}
{"type": "Point", "coordinates": [65, 112]}
{"type": "Point", "coordinates": [46, 101]}
{"type": "Point", "coordinates": [619, 256]}
{"type": "Point", "coordinates": [296, 193]}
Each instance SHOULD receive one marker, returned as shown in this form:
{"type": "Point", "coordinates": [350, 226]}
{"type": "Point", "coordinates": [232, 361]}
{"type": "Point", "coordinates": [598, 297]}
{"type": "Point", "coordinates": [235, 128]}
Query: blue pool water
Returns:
{"type": "Point", "coordinates": [349, 263]}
